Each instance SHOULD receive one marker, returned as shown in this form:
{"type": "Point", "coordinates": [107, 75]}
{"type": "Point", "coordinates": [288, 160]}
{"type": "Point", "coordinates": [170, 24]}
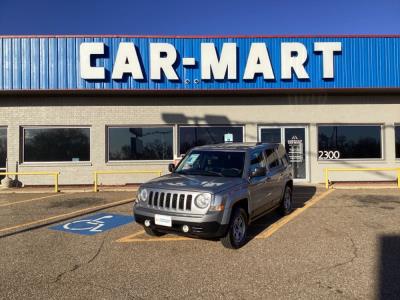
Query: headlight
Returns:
{"type": "Point", "coordinates": [202, 200]}
{"type": "Point", "coordinates": [143, 194]}
{"type": "Point", "coordinates": [218, 203]}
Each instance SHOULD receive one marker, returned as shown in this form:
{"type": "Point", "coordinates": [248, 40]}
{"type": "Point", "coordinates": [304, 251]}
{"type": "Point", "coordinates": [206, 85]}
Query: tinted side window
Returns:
{"type": "Point", "coordinates": [256, 160]}
{"type": "Point", "coordinates": [285, 160]}
{"type": "Point", "coordinates": [397, 134]}
{"type": "Point", "coordinates": [56, 144]}
{"type": "Point", "coordinates": [3, 147]}
{"type": "Point", "coordinates": [191, 136]}
{"type": "Point", "coordinates": [140, 143]}
{"type": "Point", "coordinates": [283, 156]}
{"type": "Point", "coordinates": [349, 141]}
{"type": "Point", "coordinates": [272, 158]}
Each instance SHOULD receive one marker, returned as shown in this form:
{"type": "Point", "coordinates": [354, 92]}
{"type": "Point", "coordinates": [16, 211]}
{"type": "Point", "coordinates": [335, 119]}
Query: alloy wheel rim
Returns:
{"type": "Point", "coordinates": [288, 200]}
{"type": "Point", "coordinates": [239, 228]}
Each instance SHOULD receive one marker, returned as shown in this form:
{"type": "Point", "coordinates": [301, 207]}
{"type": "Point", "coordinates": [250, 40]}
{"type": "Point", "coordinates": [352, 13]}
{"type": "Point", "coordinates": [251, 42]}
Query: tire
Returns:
{"type": "Point", "coordinates": [237, 233]}
{"type": "Point", "coordinates": [286, 206]}
{"type": "Point", "coordinates": [152, 232]}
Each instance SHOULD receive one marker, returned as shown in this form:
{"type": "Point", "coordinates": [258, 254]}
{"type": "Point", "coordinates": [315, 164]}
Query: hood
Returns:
{"type": "Point", "coordinates": [196, 183]}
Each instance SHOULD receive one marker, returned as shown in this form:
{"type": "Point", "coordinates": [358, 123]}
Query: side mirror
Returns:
{"type": "Point", "coordinates": [171, 168]}
{"type": "Point", "coordinates": [258, 172]}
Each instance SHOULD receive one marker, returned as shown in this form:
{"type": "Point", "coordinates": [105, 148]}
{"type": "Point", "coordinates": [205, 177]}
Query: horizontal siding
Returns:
{"type": "Point", "coordinates": [52, 63]}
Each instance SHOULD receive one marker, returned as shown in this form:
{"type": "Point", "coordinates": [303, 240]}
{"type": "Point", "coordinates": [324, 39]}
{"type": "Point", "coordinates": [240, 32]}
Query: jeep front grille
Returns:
{"type": "Point", "coordinates": [170, 201]}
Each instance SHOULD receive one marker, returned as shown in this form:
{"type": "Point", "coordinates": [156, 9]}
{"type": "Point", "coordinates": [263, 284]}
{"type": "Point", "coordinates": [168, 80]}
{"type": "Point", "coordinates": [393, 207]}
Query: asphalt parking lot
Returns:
{"type": "Point", "coordinates": [336, 244]}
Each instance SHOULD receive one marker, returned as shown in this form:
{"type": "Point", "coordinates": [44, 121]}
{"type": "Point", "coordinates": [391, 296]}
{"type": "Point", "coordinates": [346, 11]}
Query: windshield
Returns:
{"type": "Point", "coordinates": [212, 163]}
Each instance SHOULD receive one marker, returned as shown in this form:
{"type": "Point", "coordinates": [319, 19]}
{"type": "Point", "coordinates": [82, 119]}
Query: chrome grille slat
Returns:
{"type": "Point", "coordinates": [172, 201]}
{"type": "Point", "coordinates": [181, 201]}
{"type": "Point", "coordinates": [168, 201]}
{"type": "Point", "coordinates": [155, 199]}
{"type": "Point", "coordinates": [161, 201]}
{"type": "Point", "coordinates": [151, 198]}
{"type": "Point", "coordinates": [188, 202]}
{"type": "Point", "coordinates": [184, 202]}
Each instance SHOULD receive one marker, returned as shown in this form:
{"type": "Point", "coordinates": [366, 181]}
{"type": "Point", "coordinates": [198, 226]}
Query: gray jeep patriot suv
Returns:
{"type": "Point", "coordinates": [216, 191]}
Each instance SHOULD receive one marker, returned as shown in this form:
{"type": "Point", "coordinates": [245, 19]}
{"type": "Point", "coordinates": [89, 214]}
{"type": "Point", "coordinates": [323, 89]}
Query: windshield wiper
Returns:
{"type": "Point", "coordinates": [181, 172]}
{"type": "Point", "coordinates": [213, 173]}
{"type": "Point", "coordinates": [200, 172]}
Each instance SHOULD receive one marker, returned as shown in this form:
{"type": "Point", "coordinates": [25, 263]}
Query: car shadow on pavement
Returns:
{"type": "Point", "coordinates": [301, 194]}
{"type": "Point", "coordinates": [389, 267]}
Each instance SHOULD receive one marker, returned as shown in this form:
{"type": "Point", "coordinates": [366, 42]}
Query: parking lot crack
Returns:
{"type": "Point", "coordinates": [349, 261]}
{"type": "Point", "coordinates": [97, 252]}
{"type": "Point", "coordinates": [78, 266]}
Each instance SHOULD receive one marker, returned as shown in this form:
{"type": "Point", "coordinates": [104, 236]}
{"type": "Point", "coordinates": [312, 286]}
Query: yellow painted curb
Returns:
{"type": "Point", "coordinates": [277, 225]}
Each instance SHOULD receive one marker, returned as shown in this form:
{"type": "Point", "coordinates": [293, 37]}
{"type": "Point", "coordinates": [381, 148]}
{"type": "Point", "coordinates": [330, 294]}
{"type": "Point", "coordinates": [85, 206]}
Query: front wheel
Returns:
{"type": "Point", "coordinates": [287, 201]}
{"type": "Point", "coordinates": [237, 232]}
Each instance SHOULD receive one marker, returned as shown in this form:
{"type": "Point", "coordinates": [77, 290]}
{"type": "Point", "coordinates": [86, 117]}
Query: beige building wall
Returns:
{"type": "Point", "coordinates": [99, 110]}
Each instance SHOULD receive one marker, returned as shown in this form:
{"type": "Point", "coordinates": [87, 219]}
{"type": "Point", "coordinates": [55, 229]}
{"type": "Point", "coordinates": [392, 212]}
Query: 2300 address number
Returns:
{"type": "Point", "coordinates": [328, 155]}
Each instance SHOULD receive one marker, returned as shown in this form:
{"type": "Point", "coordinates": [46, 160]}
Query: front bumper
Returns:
{"type": "Point", "coordinates": [204, 226]}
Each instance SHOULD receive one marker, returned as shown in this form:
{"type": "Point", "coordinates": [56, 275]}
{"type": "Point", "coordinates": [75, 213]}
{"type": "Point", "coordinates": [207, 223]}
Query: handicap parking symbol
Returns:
{"type": "Point", "coordinates": [91, 225]}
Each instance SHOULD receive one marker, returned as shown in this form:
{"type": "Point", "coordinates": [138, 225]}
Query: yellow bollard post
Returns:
{"type": "Point", "coordinates": [326, 179]}
{"type": "Point", "coordinates": [398, 178]}
{"type": "Point", "coordinates": [56, 182]}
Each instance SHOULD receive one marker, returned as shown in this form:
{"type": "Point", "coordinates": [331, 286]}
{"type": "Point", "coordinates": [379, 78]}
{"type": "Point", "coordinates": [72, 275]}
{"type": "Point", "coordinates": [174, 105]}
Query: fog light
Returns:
{"type": "Point", "coordinates": [147, 223]}
{"type": "Point", "coordinates": [185, 228]}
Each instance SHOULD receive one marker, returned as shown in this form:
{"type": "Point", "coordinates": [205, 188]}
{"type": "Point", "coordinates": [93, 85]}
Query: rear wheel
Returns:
{"type": "Point", "coordinates": [153, 232]}
{"type": "Point", "coordinates": [237, 232]}
{"type": "Point", "coordinates": [287, 201]}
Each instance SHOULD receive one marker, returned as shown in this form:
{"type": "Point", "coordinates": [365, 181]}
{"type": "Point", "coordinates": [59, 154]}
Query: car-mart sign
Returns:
{"type": "Point", "coordinates": [198, 63]}
{"type": "Point", "coordinates": [213, 65]}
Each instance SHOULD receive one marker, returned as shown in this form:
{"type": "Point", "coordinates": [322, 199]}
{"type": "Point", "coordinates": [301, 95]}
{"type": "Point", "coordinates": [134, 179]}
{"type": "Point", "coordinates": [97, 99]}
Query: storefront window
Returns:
{"type": "Point", "coordinates": [3, 147]}
{"type": "Point", "coordinates": [138, 143]}
{"type": "Point", "coordinates": [191, 136]}
{"type": "Point", "coordinates": [397, 134]}
{"type": "Point", "coordinates": [349, 142]}
{"type": "Point", "coordinates": [271, 135]}
{"type": "Point", "coordinates": [56, 144]}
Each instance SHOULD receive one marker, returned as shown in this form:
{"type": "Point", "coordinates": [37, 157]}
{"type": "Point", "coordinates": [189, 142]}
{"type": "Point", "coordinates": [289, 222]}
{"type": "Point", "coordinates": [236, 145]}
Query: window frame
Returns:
{"type": "Point", "coordinates": [203, 126]}
{"type": "Point", "coordinates": [22, 144]}
{"type": "Point", "coordinates": [107, 144]}
{"type": "Point", "coordinates": [5, 167]}
{"type": "Point", "coordinates": [382, 142]}
{"type": "Point", "coordinates": [395, 156]}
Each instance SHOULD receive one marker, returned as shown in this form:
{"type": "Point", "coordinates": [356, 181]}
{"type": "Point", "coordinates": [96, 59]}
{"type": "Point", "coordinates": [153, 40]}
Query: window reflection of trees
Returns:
{"type": "Point", "coordinates": [158, 148]}
{"type": "Point", "coordinates": [61, 144]}
{"type": "Point", "coordinates": [397, 137]}
{"type": "Point", "coordinates": [362, 147]}
{"type": "Point", "coordinates": [3, 147]}
{"type": "Point", "coordinates": [190, 137]}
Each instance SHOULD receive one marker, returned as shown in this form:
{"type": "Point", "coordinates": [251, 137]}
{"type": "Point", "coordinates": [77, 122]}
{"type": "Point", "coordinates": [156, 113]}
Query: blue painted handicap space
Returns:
{"type": "Point", "coordinates": [91, 225]}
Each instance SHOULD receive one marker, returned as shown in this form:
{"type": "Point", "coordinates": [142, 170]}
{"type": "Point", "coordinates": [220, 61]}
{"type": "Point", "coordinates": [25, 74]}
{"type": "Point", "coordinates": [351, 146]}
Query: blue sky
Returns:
{"type": "Point", "coordinates": [215, 17]}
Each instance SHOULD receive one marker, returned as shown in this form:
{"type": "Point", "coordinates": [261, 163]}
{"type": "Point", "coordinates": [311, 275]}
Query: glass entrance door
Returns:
{"type": "Point", "coordinates": [295, 140]}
